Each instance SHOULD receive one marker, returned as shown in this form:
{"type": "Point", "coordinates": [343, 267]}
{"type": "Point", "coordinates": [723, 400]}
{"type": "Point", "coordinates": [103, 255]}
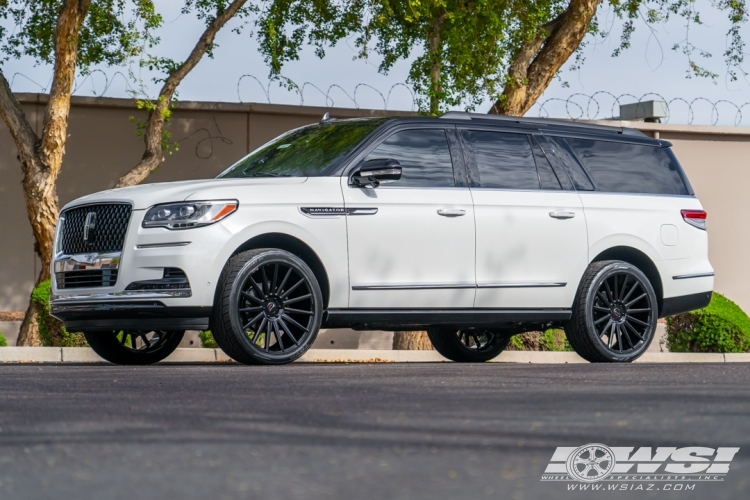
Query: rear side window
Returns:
{"type": "Point", "coordinates": [618, 167]}
{"type": "Point", "coordinates": [424, 157]}
{"type": "Point", "coordinates": [504, 161]}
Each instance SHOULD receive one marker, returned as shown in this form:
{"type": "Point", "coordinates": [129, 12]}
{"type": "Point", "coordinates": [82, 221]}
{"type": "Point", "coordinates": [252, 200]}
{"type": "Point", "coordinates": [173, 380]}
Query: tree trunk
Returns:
{"type": "Point", "coordinates": [41, 158]}
{"type": "Point", "coordinates": [153, 156]}
{"type": "Point", "coordinates": [436, 89]}
{"type": "Point", "coordinates": [539, 59]}
{"type": "Point", "coordinates": [29, 334]}
{"type": "Point", "coordinates": [411, 341]}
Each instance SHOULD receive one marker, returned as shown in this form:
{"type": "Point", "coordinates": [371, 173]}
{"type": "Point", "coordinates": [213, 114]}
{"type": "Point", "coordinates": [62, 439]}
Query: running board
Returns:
{"type": "Point", "coordinates": [416, 319]}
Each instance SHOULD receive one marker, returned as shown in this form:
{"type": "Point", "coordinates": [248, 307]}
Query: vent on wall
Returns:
{"type": "Point", "coordinates": [648, 111]}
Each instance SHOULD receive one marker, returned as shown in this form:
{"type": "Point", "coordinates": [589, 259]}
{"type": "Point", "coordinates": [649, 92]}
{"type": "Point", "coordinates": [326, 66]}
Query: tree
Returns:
{"type": "Point", "coordinates": [70, 35]}
{"type": "Point", "coordinates": [75, 35]}
{"type": "Point", "coordinates": [468, 50]}
{"type": "Point", "coordinates": [216, 13]}
{"type": "Point", "coordinates": [537, 60]}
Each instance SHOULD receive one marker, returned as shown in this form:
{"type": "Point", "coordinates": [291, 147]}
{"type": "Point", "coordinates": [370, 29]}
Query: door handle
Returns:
{"type": "Point", "coordinates": [561, 214]}
{"type": "Point", "coordinates": [451, 212]}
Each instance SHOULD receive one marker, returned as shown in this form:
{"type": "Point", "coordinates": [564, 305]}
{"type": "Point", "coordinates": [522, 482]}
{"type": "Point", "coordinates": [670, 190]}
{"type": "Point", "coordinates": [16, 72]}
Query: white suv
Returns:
{"type": "Point", "coordinates": [472, 227]}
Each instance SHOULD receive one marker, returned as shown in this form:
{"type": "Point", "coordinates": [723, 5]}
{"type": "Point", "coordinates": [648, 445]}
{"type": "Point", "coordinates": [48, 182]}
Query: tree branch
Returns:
{"type": "Point", "coordinates": [14, 117]}
{"type": "Point", "coordinates": [153, 155]}
{"type": "Point", "coordinates": [539, 59]}
{"type": "Point", "coordinates": [55, 129]}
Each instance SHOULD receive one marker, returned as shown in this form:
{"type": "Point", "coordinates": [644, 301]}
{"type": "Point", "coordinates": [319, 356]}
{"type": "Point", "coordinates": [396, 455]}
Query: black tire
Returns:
{"type": "Point", "coordinates": [614, 313]}
{"type": "Point", "coordinates": [134, 347]}
{"type": "Point", "coordinates": [268, 307]}
{"type": "Point", "coordinates": [468, 346]}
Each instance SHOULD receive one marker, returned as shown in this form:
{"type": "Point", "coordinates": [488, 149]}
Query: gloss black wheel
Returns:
{"type": "Point", "coordinates": [269, 308]}
{"type": "Point", "coordinates": [614, 318]}
{"type": "Point", "coordinates": [468, 346]}
{"type": "Point", "coordinates": [134, 347]}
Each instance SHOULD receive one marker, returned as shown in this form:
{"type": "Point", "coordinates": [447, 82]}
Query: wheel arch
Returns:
{"type": "Point", "coordinates": [641, 261]}
{"type": "Point", "coordinates": [291, 244]}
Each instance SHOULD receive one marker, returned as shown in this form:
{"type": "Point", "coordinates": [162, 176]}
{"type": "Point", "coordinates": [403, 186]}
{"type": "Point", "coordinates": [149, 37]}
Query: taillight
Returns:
{"type": "Point", "coordinates": [695, 218]}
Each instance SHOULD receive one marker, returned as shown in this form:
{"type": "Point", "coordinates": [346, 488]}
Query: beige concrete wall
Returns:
{"type": "Point", "coordinates": [719, 170]}
{"type": "Point", "coordinates": [103, 146]}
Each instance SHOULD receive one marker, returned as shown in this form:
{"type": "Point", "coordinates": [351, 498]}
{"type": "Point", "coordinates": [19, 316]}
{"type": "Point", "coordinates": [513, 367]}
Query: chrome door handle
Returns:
{"type": "Point", "coordinates": [451, 212]}
{"type": "Point", "coordinates": [560, 214]}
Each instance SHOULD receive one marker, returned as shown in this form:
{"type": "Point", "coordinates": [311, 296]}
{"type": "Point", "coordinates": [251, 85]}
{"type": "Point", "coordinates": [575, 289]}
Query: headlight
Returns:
{"type": "Point", "coordinates": [188, 214]}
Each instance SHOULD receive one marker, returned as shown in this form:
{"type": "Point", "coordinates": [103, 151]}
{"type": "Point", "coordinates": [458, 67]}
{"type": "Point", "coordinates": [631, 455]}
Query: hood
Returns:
{"type": "Point", "coordinates": [146, 195]}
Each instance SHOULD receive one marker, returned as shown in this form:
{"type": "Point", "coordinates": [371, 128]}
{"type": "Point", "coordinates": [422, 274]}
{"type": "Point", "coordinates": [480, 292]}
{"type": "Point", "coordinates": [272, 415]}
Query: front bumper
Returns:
{"type": "Point", "coordinates": [143, 315]}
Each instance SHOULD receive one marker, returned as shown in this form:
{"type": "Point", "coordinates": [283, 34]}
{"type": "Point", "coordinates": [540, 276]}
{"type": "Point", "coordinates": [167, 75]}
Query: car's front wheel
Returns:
{"type": "Point", "coordinates": [614, 314]}
{"type": "Point", "coordinates": [468, 346]}
{"type": "Point", "coordinates": [134, 347]}
{"type": "Point", "coordinates": [268, 307]}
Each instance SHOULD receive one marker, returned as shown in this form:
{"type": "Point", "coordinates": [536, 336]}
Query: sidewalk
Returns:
{"type": "Point", "coordinates": [84, 355]}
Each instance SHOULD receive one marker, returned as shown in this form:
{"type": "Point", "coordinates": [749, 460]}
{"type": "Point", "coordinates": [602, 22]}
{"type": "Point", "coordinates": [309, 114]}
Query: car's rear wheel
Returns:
{"type": "Point", "coordinates": [268, 307]}
{"type": "Point", "coordinates": [468, 346]}
{"type": "Point", "coordinates": [614, 313]}
{"type": "Point", "coordinates": [134, 347]}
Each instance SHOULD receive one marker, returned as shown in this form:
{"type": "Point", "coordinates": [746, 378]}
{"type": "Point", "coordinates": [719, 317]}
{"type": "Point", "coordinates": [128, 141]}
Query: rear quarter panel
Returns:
{"type": "Point", "coordinates": [652, 224]}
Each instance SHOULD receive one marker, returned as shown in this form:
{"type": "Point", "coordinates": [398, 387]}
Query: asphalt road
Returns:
{"type": "Point", "coordinates": [391, 431]}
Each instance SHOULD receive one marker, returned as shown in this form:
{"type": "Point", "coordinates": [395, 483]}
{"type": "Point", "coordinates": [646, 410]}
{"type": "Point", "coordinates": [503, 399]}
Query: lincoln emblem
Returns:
{"type": "Point", "coordinates": [89, 226]}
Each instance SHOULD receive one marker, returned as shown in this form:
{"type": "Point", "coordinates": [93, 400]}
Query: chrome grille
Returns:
{"type": "Point", "coordinates": [106, 234]}
{"type": "Point", "coordinates": [86, 279]}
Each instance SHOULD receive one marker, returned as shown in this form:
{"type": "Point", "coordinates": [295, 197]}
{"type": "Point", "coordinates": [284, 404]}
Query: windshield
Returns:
{"type": "Point", "coordinates": [312, 151]}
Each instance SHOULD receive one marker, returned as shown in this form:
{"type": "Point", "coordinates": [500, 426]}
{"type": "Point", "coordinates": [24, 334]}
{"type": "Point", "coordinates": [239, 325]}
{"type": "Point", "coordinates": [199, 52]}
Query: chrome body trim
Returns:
{"type": "Point", "coordinates": [414, 287]}
{"type": "Point", "coordinates": [362, 211]}
{"type": "Point", "coordinates": [83, 298]}
{"type": "Point", "coordinates": [550, 284]}
{"type": "Point", "coordinates": [444, 286]}
{"type": "Point", "coordinates": [164, 245]}
{"type": "Point", "coordinates": [694, 275]}
{"type": "Point", "coordinates": [336, 211]}
{"type": "Point", "coordinates": [87, 261]}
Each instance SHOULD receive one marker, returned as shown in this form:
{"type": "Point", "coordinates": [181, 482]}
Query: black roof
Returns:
{"type": "Point", "coordinates": [569, 128]}
{"type": "Point", "coordinates": [548, 123]}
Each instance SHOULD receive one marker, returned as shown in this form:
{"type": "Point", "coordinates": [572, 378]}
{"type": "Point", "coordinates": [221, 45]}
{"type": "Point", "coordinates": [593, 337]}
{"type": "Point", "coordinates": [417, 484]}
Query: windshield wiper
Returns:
{"type": "Point", "coordinates": [268, 174]}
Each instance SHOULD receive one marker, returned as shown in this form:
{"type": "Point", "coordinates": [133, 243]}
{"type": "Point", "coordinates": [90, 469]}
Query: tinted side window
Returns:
{"type": "Point", "coordinates": [629, 168]}
{"type": "Point", "coordinates": [504, 160]}
{"type": "Point", "coordinates": [424, 156]}
{"type": "Point", "coordinates": [547, 177]}
{"type": "Point", "coordinates": [576, 173]}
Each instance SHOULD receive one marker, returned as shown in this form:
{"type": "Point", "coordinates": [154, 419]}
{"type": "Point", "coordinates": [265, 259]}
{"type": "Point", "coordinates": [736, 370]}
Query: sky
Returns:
{"type": "Point", "coordinates": [650, 69]}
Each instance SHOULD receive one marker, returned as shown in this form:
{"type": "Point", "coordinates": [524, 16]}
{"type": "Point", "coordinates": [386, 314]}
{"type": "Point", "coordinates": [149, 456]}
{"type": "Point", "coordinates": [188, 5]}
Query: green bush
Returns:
{"type": "Point", "coordinates": [3, 340]}
{"type": "Point", "coordinates": [720, 327]}
{"type": "Point", "coordinates": [549, 340]}
{"type": "Point", "coordinates": [207, 340]}
{"type": "Point", "coordinates": [51, 330]}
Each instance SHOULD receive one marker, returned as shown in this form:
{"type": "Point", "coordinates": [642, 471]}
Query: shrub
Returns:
{"type": "Point", "coordinates": [720, 327]}
{"type": "Point", "coordinates": [549, 340]}
{"type": "Point", "coordinates": [3, 340]}
{"type": "Point", "coordinates": [207, 340]}
{"type": "Point", "coordinates": [51, 330]}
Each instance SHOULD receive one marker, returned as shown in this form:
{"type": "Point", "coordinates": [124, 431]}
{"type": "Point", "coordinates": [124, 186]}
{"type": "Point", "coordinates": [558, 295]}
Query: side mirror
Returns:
{"type": "Point", "coordinates": [373, 173]}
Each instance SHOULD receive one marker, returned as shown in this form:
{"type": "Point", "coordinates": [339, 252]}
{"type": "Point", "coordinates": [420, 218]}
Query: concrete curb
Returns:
{"type": "Point", "coordinates": [84, 355]}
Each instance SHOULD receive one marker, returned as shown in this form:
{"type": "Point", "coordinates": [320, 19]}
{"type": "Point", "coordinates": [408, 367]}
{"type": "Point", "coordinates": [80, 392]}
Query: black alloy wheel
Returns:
{"type": "Point", "coordinates": [467, 345]}
{"type": "Point", "coordinates": [615, 314]}
{"type": "Point", "coordinates": [133, 347]}
{"type": "Point", "coordinates": [270, 309]}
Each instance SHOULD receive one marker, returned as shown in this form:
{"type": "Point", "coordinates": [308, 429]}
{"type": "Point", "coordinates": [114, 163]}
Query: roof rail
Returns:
{"type": "Point", "coordinates": [555, 122]}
